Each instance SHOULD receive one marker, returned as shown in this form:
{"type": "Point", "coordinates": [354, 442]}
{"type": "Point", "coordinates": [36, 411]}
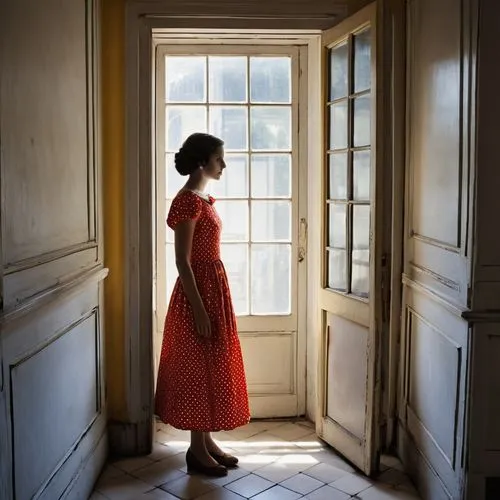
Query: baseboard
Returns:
{"type": "Point", "coordinates": [129, 440]}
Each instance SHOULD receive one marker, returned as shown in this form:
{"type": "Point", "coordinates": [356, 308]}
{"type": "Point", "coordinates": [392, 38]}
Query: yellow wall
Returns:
{"type": "Point", "coordinates": [113, 136]}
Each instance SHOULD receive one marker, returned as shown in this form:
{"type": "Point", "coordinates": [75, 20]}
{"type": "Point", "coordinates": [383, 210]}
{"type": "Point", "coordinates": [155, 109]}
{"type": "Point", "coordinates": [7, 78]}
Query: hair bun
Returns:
{"type": "Point", "coordinates": [183, 164]}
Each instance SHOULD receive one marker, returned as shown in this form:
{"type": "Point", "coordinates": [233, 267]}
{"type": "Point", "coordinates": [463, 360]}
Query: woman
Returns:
{"type": "Point", "coordinates": [201, 380]}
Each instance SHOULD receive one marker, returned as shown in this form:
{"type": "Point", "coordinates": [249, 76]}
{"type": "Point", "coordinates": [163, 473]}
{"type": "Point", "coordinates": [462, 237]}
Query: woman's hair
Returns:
{"type": "Point", "coordinates": [196, 150]}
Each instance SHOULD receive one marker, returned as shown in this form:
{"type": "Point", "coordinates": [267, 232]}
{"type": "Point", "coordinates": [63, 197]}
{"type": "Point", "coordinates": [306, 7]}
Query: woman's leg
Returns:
{"type": "Point", "coordinates": [211, 445]}
{"type": "Point", "coordinates": [199, 449]}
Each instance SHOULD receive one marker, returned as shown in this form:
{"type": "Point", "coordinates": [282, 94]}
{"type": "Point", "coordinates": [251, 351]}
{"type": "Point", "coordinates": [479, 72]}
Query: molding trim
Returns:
{"type": "Point", "coordinates": [452, 307]}
{"type": "Point", "coordinates": [48, 257]}
{"type": "Point", "coordinates": [96, 274]}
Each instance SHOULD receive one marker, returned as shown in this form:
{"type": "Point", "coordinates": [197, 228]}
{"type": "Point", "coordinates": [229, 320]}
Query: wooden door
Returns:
{"type": "Point", "coordinates": [436, 280]}
{"type": "Point", "coordinates": [350, 288]}
{"type": "Point", "coordinates": [52, 411]}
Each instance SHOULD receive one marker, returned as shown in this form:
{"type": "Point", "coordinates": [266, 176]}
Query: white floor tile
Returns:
{"type": "Point", "coordinates": [392, 477]}
{"type": "Point", "coordinates": [254, 461]}
{"type": "Point", "coordinates": [327, 493]}
{"type": "Point", "coordinates": [277, 472]}
{"type": "Point", "coordinates": [158, 473]}
{"type": "Point", "coordinates": [250, 486]}
{"type": "Point", "coordinates": [157, 494]}
{"type": "Point", "coordinates": [220, 494]}
{"type": "Point", "coordinates": [391, 462]}
{"type": "Point", "coordinates": [291, 432]}
{"type": "Point", "coordinates": [232, 476]}
{"type": "Point", "coordinates": [352, 484]}
{"type": "Point", "coordinates": [131, 464]}
{"type": "Point", "coordinates": [325, 472]}
{"type": "Point", "coordinates": [188, 487]}
{"type": "Point", "coordinates": [277, 493]}
{"type": "Point", "coordinates": [302, 483]}
{"type": "Point", "coordinates": [385, 492]}
{"type": "Point", "coordinates": [123, 488]}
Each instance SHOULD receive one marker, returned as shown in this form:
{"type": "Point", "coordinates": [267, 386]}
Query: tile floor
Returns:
{"type": "Point", "coordinates": [278, 461]}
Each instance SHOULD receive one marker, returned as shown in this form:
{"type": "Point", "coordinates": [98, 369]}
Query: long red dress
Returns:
{"type": "Point", "coordinates": [201, 383]}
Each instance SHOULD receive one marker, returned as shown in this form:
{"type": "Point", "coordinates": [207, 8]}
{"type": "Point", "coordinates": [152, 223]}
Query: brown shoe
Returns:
{"type": "Point", "coordinates": [225, 459]}
{"type": "Point", "coordinates": [195, 466]}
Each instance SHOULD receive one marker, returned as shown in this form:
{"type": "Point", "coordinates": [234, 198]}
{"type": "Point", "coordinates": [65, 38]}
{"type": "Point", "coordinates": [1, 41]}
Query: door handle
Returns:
{"type": "Point", "coordinates": [302, 239]}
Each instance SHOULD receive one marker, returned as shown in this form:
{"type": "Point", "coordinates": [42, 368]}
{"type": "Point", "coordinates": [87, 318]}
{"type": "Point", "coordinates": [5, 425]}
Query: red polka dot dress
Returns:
{"type": "Point", "coordinates": [201, 383]}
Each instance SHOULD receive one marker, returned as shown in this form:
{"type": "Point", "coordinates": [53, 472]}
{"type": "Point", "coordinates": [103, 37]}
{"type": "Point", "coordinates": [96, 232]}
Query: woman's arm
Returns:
{"type": "Point", "coordinates": [184, 232]}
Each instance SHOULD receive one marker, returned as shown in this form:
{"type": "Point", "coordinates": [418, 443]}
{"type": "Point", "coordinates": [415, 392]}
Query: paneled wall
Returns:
{"type": "Point", "coordinates": [52, 411]}
{"type": "Point", "coordinates": [483, 481]}
{"type": "Point", "coordinates": [435, 344]}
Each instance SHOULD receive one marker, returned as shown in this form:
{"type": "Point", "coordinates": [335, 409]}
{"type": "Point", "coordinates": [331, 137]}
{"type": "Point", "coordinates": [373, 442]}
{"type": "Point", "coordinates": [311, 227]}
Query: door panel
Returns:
{"type": "Point", "coordinates": [52, 379]}
{"type": "Point", "coordinates": [348, 296]}
{"type": "Point", "coordinates": [347, 345]}
{"type": "Point", "coordinates": [435, 338]}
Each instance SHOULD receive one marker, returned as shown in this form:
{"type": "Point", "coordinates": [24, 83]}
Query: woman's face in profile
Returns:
{"type": "Point", "coordinates": [213, 169]}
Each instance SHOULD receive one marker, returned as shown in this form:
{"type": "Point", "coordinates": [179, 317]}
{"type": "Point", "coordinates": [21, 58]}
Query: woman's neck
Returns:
{"type": "Point", "coordinates": [196, 183]}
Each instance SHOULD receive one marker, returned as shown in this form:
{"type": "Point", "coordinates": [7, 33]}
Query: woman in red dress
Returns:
{"type": "Point", "coordinates": [201, 380]}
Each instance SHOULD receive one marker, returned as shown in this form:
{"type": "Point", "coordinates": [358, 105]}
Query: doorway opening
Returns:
{"type": "Point", "coordinates": [248, 95]}
{"type": "Point", "coordinates": [298, 341]}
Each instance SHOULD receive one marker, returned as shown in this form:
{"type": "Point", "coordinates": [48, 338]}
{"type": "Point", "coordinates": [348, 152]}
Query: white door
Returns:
{"type": "Point", "coordinates": [248, 96]}
{"type": "Point", "coordinates": [350, 286]}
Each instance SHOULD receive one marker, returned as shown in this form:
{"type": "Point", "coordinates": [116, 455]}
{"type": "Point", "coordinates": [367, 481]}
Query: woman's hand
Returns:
{"type": "Point", "coordinates": [202, 321]}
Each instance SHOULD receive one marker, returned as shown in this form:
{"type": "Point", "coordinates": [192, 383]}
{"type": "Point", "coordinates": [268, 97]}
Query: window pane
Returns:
{"type": "Point", "coordinates": [174, 180]}
{"type": "Point", "coordinates": [235, 259]}
{"type": "Point", "coordinates": [271, 279]}
{"type": "Point", "coordinates": [339, 70]}
{"type": "Point", "coordinates": [234, 180]}
{"type": "Point", "coordinates": [337, 267]}
{"type": "Point", "coordinates": [338, 176]}
{"type": "Point", "coordinates": [230, 124]}
{"type": "Point", "coordinates": [362, 61]}
{"type": "Point", "coordinates": [271, 128]}
{"type": "Point", "coordinates": [338, 125]}
{"type": "Point", "coordinates": [271, 220]}
{"type": "Point", "coordinates": [361, 175]}
{"type": "Point", "coordinates": [171, 271]}
{"type": "Point", "coordinates": [185, 79]}
{"type": "Point", "coordinates": [362, 117]}
{"type": "Point", "coordinates": [361, 250]}
{"type": "Point", "coordinates": [234, 216]}
{"type": "Point", "coordinates": [182, 121]}
{"type": "Point", "coordinates": [228, 79]}
{"type": "Point", "coordinates": [271, 176]}
{"type": "Point", "coordinates": [270, 79]}
{"type": "Point", "coordinates": [337, 225]}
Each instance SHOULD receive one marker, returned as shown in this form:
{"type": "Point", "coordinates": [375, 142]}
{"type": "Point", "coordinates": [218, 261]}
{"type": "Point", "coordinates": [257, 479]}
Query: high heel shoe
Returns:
{"type": "Point", "coordinates": [225, 459]}
{"type": "Point", "coordinates": [195, 466]}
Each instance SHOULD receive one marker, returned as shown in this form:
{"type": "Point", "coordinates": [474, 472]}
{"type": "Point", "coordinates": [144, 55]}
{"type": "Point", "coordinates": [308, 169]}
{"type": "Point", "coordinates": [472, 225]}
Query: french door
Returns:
{"type": "Point", "coordinates": [350, 284]}
{"type": "Point", "coordinates": [249, 96]}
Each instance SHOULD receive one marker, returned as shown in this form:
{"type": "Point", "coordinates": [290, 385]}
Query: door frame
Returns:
{"type": "Point", "coordinates": [142, 21]}
{"type": "Point", "coordinates": [142, 27]}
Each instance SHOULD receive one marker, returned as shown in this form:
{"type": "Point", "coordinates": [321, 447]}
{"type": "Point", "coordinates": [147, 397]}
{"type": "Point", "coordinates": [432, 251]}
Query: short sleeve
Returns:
{"type": "Point", "coordinates": [185, 206]}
